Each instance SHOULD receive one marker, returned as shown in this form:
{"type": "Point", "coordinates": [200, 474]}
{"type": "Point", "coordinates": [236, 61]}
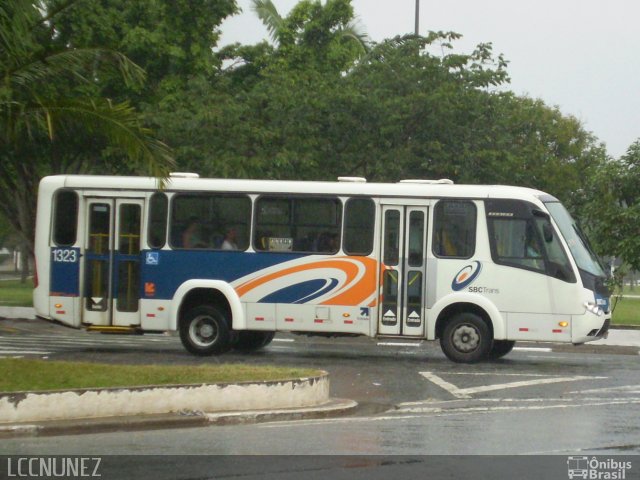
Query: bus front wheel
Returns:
{"type": "Point", "coordinates": [250, 341]}
{"type": "Point", "coordinates": [204, 331]}
{"type": "Point", "coordinates": [466, 338]}
{"type": "Point", "coordinates": [501, 348]}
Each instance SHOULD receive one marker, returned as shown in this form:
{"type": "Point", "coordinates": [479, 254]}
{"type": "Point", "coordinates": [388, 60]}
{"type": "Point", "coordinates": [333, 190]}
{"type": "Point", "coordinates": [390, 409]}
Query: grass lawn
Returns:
{"type": "Point", "coordinates": [627, 311]}
{"type": "Point", "coordinates": [16, 294]}
{"type": "Point", "coordinates": [24, 374]}
{"type": "Point", "coordinates": [627, 290]}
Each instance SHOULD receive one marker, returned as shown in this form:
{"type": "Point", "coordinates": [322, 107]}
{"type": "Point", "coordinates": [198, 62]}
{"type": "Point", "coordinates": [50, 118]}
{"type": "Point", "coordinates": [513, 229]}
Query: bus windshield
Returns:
{"type": "Point", "coordinates": [578, 243]}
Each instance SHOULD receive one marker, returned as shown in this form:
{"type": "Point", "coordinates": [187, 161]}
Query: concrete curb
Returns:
{"type": "Point", "coordinates": [149, 400]}
{"type": "Point", "coordinates": [27, 313]}
{"type": "Point", "coordinates": [332, 407]}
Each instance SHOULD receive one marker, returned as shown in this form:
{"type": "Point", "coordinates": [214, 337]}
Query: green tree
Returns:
{"type": "Point", "coordinates": [415, 113]}
{"type": "Point", "coordinates": [173, 41]}
{"type": "Point", "coordinates": [612, 207]}
{"type": "Point", "coordinates": [42, 115]}
{"type": "Point", "coordinates": [527, 143]}
{"type": "Point", "coordinates": [314, 35]}
{"type": "Point", "coordinates": [410, 108]}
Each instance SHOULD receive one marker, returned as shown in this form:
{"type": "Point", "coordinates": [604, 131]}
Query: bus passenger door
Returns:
{"type": "Point", "coordinates": [112, 262]}
{"type": "Point", "coordinates": [404, 257]}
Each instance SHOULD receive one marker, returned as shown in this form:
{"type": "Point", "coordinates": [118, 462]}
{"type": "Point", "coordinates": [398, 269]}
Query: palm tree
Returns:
{"type": "Point", "coordinates": [284, 31]}
{"type": "Point", "coordinates": [38, 104]}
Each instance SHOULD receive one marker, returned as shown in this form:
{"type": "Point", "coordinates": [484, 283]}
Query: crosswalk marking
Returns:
{"type": "Point", "coordinates": [466, 393]}
{"type": "Point", "coordinates": [22, 352]}
{"type": "Point", "coordinates": [42, 344]}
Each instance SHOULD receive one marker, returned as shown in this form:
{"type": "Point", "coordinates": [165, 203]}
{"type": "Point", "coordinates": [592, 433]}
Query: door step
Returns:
{"type": "Point", "coordinates": [391, 339]}
{"type": "Point", "coordinates": [114, 329]}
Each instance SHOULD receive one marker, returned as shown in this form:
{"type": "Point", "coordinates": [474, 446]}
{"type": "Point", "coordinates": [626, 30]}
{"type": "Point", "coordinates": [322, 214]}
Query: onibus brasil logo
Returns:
{"type": "Point", "coordinates": [466, 276]}
{"type": "Point", "coordinates": [597, 469]}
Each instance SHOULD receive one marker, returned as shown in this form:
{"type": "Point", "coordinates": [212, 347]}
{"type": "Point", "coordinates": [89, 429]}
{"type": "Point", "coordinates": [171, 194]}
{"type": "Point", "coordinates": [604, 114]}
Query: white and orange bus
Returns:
{"type": "Point", "coordinates": [227, 263]}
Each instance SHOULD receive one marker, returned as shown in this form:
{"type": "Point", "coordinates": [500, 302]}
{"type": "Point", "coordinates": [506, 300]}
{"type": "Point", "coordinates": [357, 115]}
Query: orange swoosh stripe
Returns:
{"type": "Point", "coordinates": [347, 267]}
{"type": "Point", "coordinates": [355, 295]}
{"type": "Point", "coordinates": [362, 290]}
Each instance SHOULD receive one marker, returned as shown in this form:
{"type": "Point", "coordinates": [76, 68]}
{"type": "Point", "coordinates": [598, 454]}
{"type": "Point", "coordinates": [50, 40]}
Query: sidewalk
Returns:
{"type": "Point", "coordinates": [621, 338]}
{"type": "Point", "coordinates": [17, 312]}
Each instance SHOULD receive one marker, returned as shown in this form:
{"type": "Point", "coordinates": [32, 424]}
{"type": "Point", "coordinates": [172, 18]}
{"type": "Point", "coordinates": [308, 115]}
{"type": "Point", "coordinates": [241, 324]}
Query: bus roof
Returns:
{"type": "Point", "coordinates": [411, 189]}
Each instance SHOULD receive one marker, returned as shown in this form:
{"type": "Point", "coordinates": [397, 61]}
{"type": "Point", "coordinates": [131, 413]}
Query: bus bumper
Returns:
{"type": "Point", "coordinates": [590, 327]}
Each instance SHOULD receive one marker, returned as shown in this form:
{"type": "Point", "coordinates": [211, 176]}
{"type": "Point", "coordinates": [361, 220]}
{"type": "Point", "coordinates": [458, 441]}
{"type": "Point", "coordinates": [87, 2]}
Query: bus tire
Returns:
{"type": "Point", "coordinates": [250, 341]}
{"type": "Point", "coordinates": [466, 338]}
{"type": "Point", "coordinates": [204, 331]}
{"type": "Point", "coordinates": [268, 338]}
{"type": "Point", "coordinates": [501, 348]}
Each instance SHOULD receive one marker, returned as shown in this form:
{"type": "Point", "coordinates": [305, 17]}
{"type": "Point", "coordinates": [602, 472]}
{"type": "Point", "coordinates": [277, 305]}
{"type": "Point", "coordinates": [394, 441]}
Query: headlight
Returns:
{"type": "Point", "coordinates": [593, 308]}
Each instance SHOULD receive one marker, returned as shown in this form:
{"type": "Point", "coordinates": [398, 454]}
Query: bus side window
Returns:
{"type": "Point", "coordinates": [157, 223]}
{"type": "Point", "coordinates": [359, 220]}
{"type": "Point", "coordinates": [211, 221]}
{"type": "Point", "coordinates": [454, 229]}
{"type": "Point", "coordinates": [520, 236]}
{"type": "Point", "coordinates": [65, 220]}
{"type": "Point", "coordinates": [303, 225]}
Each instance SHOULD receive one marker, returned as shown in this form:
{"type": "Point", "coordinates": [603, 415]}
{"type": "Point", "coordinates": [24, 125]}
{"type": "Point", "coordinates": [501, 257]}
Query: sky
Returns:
{"type": "Point", "coordinates": [582, 56]}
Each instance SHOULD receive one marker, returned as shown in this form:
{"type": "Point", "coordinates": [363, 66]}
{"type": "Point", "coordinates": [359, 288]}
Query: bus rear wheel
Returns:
{"type": "Point", "coordinates": [501, 348]}
{"type": "Point", "coordinates": [466, 338]}
{"type": "Point", "coordinates": [250, 341]}
{"type": "Point", "coordinates": [204, 331]}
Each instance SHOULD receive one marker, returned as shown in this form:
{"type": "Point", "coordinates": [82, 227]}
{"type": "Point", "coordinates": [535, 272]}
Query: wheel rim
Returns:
{"type": "Point", "coordinates": [203, 331]}
{"type": "Point", "coordinates": [465, 338]}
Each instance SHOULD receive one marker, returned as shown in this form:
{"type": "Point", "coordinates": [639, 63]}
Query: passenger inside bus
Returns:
{"type": "Point", "coordinates": [192, 235]}
{"type": "Point", "coordinates": [327, 243]}
{"type": "Point", "coordinates": [230, 240]}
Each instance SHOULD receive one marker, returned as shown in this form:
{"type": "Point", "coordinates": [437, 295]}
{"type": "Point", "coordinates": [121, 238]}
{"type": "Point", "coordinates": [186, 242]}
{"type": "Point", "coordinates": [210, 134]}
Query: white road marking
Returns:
{"type": "Point", "coordinates": [398, 344]}
{"type": "Point", "coordinates": [284, 340]}
{"type": "Point", "coordinates": [515, 408]}
{"type": "Point", "coordinates": [532, 349]}
{"type": "Point", "coordinates": [448, 412]}
{"type": "Point", "coordinates": [624, 388]}
{"type": "Point", "coordinates": [524, 383]}
{"type": "Point", "coordinates": [431, 403]}
{"type": "Point", "coordinates": [467, 392]}
{"type": "Point", "coordinates": [22, 352]}
{"type": "Point", "coordinates": [546, 357]}
{"type": "Point", "coordinates": [449, 387]}
{"type": "Point", "coordinates": [495, 374]}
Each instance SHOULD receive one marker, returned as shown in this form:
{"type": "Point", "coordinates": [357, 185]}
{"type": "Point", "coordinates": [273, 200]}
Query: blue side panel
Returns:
{"type": "Point", "coordinates": [65, 272]}
{"type": "Point", "coordinates": [166, 270]}
{"type": "Point", "coordinates": [301, 292]}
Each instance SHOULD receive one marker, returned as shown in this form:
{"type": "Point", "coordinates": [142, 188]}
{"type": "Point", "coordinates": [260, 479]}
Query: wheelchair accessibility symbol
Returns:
{"type": "Point", "coordinates": [152, 258]}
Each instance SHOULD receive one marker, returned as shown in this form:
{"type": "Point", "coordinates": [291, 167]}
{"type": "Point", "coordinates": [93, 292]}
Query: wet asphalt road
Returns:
{"type": "Point", "coordinates": [413, 401]}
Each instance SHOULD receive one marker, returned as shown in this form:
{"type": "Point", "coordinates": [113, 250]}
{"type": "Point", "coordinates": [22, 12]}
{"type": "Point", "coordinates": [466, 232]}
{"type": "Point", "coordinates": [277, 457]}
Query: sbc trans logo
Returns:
{"type": "Point", "coordinates": [466, 276]}
{"type": "Point", "coordinates": [597, 469]}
